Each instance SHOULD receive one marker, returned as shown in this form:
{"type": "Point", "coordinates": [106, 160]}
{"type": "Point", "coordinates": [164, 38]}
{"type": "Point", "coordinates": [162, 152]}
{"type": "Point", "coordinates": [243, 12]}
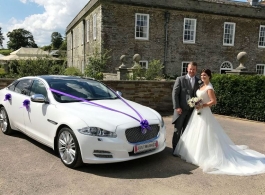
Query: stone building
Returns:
{"type": "Point", "coordinates": [210, 32]}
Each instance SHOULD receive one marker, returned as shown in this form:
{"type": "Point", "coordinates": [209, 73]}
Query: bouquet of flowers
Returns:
{"type": "Point", "coordinates": [195, 101]}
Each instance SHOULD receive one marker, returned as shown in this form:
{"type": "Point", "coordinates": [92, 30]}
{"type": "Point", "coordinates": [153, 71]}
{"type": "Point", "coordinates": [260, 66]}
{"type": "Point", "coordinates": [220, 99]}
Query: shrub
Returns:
{"type": "Point", "coordinates": [154, 71]}
{"type": "Point", "coordinates": [2, 72]}
{"type": "Point", "coordinates": [72, 71]}
{"type": "Point", "coordinates": [97, 63]}
{"type": "Point", "coordinates": [240, 96]}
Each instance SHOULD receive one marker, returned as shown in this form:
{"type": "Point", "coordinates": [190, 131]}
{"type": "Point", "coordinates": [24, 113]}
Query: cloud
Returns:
{"type": "Point", "coordinates": [57, 15]}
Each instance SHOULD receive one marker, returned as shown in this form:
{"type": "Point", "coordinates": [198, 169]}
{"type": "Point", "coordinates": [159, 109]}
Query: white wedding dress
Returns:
{"type": "Point", "coordinates": [205, 144]}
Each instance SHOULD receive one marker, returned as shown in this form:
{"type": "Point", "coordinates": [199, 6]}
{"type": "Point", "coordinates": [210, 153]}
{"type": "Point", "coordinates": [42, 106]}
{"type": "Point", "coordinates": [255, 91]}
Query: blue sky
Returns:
{"type": "Point", "coordinates": [40, 17]}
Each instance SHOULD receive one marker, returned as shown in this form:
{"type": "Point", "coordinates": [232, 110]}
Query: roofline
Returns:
{"type": "Point", "coordinates": [234, 9]}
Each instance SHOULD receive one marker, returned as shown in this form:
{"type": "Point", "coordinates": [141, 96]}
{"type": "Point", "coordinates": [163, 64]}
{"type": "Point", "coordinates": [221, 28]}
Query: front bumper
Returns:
{"type": "Point", "coordinates": [97, 150]}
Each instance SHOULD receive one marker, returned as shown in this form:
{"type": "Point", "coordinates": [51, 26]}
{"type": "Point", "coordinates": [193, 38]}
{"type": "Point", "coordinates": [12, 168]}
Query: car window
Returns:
{"type": "Point", "coordinates": [11, 87]}
{"type": "Point", "coordinates": [81, 88]}
{"type": "Point", "coordinates": [23, 86]}
{"type": "Point", "coordinates": [38, 87]}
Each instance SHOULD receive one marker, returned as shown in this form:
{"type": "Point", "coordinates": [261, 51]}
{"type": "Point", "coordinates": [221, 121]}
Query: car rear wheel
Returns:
{"type": "Point", "coordinates": [4, 122]}
{"type": "Point", "coordinates": [68, 148]}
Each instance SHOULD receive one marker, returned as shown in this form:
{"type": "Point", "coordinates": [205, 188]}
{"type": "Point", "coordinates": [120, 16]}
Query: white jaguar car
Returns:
{"type": "Point", "coordinates": [82, 119]}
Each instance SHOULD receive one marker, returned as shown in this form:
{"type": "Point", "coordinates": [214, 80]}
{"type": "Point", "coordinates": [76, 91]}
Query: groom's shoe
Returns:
{"type": "Point", "coordinates": [175, 155]}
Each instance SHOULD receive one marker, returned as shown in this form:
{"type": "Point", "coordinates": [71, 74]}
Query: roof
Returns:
{"type": "Point", "coordinates": [25, 51]}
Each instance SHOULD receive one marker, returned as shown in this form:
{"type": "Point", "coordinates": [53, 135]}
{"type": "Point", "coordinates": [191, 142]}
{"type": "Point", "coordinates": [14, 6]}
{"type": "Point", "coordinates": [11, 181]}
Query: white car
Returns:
{"type": "Point", "coordinates": [82, 119]}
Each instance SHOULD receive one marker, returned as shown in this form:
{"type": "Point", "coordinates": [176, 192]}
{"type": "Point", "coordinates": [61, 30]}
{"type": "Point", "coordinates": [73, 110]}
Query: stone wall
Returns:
{"type": "Point", "coordinates": [154, 94]}
{"type": "Point", "coordinates": [208, 50]}
{"type": "Point", "coordinates": [116, 24]}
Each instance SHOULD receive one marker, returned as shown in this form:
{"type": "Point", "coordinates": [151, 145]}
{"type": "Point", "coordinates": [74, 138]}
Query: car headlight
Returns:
{"type": "Point", "coordinates": [96, 131]}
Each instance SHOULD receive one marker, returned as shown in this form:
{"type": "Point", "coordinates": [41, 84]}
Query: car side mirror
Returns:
{"type": "Point", "coordinates": [119, 93]}
{"type": "Point", "coordinates": [39, 98]}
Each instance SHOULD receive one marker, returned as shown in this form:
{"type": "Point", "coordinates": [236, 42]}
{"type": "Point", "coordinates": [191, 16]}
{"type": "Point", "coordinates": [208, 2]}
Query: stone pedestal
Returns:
{"type": "Point", "coordinates": [241, 69]}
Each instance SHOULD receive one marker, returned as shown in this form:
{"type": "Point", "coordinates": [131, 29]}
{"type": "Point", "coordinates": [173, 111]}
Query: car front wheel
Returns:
{"type": "Point", "coordinates": [68, 148]}
{"type": "Point", "coordinates": [4, 122]}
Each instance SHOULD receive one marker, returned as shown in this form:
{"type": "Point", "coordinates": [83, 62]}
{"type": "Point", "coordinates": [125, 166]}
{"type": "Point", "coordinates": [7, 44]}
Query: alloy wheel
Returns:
{"type": "Point", "coordinates": [67, 148]}
{"type": "Point", "coordinates": [3, 120]}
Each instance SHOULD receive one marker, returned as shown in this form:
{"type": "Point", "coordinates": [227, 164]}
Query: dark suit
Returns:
{"type": "Point", "coordinates": [181, 93]}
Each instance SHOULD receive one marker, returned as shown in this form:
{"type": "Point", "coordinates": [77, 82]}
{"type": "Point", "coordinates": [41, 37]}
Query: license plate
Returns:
{"type": "Point", "coordinates": [144, 147]}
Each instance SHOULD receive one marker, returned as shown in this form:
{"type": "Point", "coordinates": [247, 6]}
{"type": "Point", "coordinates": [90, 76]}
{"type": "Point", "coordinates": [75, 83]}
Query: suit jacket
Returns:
{"type": "Point", "coordinates": [181, 93]}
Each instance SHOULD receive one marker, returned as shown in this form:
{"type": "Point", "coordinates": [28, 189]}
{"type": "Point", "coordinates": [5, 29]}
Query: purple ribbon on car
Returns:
{"type": "Point", "coordinates": [7, 96]}
{"type": "Point", "coordinates": [144, 123]}
{"type": "Point", "coordinates": [26, 103]}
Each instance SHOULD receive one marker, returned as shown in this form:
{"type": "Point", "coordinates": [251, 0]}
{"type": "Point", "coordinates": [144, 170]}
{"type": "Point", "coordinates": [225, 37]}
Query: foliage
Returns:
{"type": "Point", "coordinates": [97, 63]}
{"type": "Point", "coordinates": [56, 40]}
{"type": "Point", "coordinates": [138, 73]}
{"type": "Point", "coordinates": [2, 72]}
{"type": "Point", "coordinates": [63, 45]}
{"type": "Point", "coordinates": [72, 71]}
{"type": "Point", "coordinates": [154, 71]}
{"type": "Point", "coordinates": [47, 48]}
{"type": "Point", "coordinates": [5, 52]}
{"type": "Point", "coordinates": [240, 96]}
{"type": "Point", "coordinates": [20, 38]}
{"type": "Point", "coordinates": [40, 66]}
{"type": "Point", "coordinates": [2, 38]}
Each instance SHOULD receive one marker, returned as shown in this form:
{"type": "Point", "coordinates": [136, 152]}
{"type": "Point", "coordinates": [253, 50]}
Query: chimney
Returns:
{"type": "Point", "coordinates": [253, 2]}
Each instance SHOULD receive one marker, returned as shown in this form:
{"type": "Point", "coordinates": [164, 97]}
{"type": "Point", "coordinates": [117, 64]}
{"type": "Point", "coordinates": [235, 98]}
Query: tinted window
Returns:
{"type": "Point", "coordinates": [81, 88]}
{"type": "Point", "coordinates": [23, 86]}
{"type": "Point", "coordinates": [38, 87]}
{"type": "Point", "coordinates": [12, 86]}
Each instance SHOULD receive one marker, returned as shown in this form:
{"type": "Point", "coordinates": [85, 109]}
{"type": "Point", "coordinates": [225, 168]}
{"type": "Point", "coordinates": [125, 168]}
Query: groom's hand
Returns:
{"type": "Point", "coordinates": [179, 110]}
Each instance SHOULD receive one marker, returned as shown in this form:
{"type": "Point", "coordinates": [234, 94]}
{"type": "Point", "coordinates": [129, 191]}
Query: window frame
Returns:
{"type": "Point", "coordinates": [144, 66]}
{"type": "Point", "coordinates": [87, 31]}
{"type": "Point", "coordinates": [233, 35]}
{"type": "Point", "coordinates": [263, 69]}
{"type": "Point", "coordinates": [26, 90]}
{"type": "Point", "coordinates": [147, 26]}
{"type": "Point", "coordinates": [263, 42]}
{"type": "Point", "coordinates": [83, 34]}
{"type": "Point", "coordinates": [193, 40]}
{"type": "Point", "coordinates": [182, 67]}
{"type": "Point", "coordinates": [226, 62]}
{"type": "Point", "coordinates": [95, 27]}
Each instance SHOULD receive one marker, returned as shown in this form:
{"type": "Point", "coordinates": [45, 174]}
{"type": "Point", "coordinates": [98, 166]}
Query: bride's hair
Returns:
{"type": "Point", "coordinates": [208, 72]}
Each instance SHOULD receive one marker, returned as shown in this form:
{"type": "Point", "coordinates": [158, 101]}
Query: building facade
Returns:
{"type": "Point", "coordinates": [210, 32]}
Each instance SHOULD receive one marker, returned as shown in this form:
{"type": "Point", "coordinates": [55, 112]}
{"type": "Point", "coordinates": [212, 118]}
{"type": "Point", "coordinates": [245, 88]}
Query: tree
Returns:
{"type": "Point", "coordinates": [64, 44]}
{"type": "Point", "coordinates": [56, 39]}
{"type": "Point", "coordinates": [2, 38]}
{"type": "Point", "coordinates": [20, 38]}
{"type": "Point", "coordinates": [97, 63]}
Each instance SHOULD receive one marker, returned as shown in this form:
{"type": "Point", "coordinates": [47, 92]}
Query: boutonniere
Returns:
{"type": "Point", "coordinates": [200, 82]}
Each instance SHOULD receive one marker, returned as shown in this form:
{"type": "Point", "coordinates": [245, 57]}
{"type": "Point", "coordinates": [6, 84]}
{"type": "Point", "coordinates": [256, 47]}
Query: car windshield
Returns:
{"type": "Point", "coordinates": [80, 88]}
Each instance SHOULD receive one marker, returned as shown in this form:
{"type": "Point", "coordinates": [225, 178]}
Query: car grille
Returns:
{"type": "Point", "coordinates": [135, 134]}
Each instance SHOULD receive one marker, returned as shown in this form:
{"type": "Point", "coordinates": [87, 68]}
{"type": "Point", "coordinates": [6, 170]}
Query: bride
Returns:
{"type": "Point", "coordinates": [205, 144]}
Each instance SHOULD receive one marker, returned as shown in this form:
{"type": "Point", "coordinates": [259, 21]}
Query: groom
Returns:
{"type": "Point", "coordinates": [185, 87]}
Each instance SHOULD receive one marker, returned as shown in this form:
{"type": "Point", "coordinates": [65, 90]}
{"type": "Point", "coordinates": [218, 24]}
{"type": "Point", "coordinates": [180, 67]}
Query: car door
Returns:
{"type": "Point", "coordinates": [15, 109]}
{"type": "Point", "coordinates": [37, 120]}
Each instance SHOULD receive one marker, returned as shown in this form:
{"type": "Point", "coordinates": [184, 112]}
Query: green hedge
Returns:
{"type": "Point", "coordinates": [240, 96]}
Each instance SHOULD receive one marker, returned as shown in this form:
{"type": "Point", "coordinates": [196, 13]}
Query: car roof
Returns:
{"type": "Point", "coordinates": [61, 77]}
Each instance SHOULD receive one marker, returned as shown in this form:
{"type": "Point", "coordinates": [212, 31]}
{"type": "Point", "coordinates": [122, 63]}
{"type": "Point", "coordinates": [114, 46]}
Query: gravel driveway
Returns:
{"type": "Point", "coordinates": [27, 167]}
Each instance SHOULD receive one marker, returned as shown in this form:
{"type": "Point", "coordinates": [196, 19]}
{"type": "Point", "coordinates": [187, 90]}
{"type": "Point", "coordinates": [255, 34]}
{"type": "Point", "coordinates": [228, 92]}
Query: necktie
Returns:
{"type": "Point", "coordinates": [192, 82]}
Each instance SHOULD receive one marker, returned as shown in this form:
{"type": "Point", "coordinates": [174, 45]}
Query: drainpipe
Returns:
{"type": "Point", "coordinates": [84, 43]}
{"type": "Point", "coordinates": [167, 15]}
{"type": "Point", "coordinates": [72, 48]}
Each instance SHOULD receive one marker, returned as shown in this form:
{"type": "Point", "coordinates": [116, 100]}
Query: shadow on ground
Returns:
{"type": "Point", "coordinates": [161, 165]}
